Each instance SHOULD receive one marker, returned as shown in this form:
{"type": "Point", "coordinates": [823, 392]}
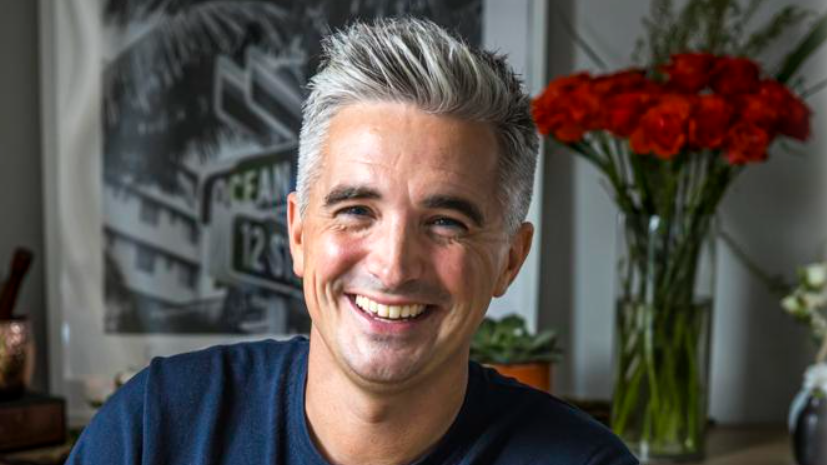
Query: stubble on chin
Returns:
{"type": "Point", "coordinates": [383, 359]}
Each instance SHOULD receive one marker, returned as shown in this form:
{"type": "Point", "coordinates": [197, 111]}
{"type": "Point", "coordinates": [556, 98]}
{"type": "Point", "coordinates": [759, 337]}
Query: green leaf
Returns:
{"type": "Point", "coordinates": [743, 19]}
{"type": "Point", "coordinates": [813, 40]}
{"type": "Point", "coordinates": [788, 18]}
{"type": "Point", "coordinates": [486, 329]}
{"type": "Point", "coordinates": [508, 341]}
{"type": "Point", "coordinates": [543, 340]}
{"type": "Point", "coordinates": [511, 323]}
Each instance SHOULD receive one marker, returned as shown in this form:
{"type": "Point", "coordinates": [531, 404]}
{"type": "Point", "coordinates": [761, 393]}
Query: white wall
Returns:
{"type": "Point", "coordinates": [777, 211]}
{"type": "Point", "coordinates": [516, 28]}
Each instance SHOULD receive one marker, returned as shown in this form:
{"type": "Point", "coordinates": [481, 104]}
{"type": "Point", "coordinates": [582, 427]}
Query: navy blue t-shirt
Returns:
{"type": "Point", "coordinates": [244, 404]}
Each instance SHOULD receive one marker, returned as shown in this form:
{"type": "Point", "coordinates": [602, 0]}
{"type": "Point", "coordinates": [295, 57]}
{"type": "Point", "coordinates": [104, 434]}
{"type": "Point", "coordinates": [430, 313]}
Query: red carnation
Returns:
{"type": "Point", "coordinates": [775, 93]}
{"type": "Point", "coordinates": [759, 111]}
{"type": "Point", "coordinates": [733, 76]}
{"type": "Point", "coordinates": [796, 122]}
{"type": "Point", "coordinates": [567, 108]}
{"type": "Point", "coordinates": [662, 128]}
{"type": "Point", "coordinates": [689, 72]}
{"type": "Point", "coordinates": [793, 114]}
{"type": "Point", "coordinates": [710, 121]}
{"type": "Point", "coordinates": [565, 85]}
{"type": "Point", "coordinates": [622, 112]}
{"type": "Point", "coordinates": [621, 82]}
{"type": "Point", "coordinates": [746, 143]}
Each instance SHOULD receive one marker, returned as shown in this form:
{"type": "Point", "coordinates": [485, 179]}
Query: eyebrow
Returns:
{"type": "Point", "coordinates": [341, 194]}
{"type": "Point", "coordinates": [465, 207]}
{"type": "Point", "coordinates": [457, 204]}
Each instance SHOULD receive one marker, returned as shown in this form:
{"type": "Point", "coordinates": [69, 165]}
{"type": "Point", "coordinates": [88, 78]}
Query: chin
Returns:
{"type": "Point", "coordinates": [383, 369]}
{"type": "Point", "coordinates": [382, 375]}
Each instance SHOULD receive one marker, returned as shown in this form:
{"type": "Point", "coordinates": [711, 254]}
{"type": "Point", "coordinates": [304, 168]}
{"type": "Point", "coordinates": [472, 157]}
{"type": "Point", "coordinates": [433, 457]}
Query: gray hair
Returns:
{"type": "Point", "coordinates": [415, 61]}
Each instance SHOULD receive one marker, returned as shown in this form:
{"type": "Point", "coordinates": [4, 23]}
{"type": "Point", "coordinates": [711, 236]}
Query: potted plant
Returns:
{"type": "Point", "coordinates": [507, 346]}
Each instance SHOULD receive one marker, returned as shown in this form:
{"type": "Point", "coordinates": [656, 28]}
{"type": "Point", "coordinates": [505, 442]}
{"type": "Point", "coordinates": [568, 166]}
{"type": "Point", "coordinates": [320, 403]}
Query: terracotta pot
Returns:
{"type": "Point", "coordinates": [537, 375]}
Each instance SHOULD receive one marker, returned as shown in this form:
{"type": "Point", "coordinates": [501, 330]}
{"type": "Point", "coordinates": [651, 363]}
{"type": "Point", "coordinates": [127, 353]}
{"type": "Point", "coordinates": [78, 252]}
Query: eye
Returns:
{"type": "Point", "coordinates": [353, 210]}
{"type": "Point", "coordinates": [353, 215]}
{"type": "Point", "coordinates": [448, 225]}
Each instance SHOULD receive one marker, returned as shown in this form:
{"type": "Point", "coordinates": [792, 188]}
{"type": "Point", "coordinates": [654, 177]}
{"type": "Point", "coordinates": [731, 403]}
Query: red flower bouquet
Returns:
{"type": "Point", "coordinates": [670, 137]}
{"type": "Point", "coordinates": [697, 102]}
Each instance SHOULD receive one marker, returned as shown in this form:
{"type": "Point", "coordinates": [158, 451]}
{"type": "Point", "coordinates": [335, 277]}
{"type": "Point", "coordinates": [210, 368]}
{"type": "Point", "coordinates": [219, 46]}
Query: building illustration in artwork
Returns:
{"type": "Point", "coordinates": [201, 115]}
{"type": "Point", "coordinates": [155, 241]}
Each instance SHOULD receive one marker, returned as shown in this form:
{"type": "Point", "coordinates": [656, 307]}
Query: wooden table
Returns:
{"type": "Point", "coordinates": [726, 445]}
{"type": "Point", "coordinates": [753, 445]}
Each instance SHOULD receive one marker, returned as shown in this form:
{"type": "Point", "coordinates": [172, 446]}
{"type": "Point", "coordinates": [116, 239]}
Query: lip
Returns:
{"type": "Point", "coordinates": [381, 325]}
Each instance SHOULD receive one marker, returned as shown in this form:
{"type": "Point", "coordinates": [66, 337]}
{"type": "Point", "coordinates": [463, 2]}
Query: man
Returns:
{"type": "Point", "coordinates": [416, 164]}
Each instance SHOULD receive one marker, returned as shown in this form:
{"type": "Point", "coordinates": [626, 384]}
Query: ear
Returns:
{"type": "Point", "coordinates": [517, 252]}
{"type": "Point", "coordinates": [294, 231]}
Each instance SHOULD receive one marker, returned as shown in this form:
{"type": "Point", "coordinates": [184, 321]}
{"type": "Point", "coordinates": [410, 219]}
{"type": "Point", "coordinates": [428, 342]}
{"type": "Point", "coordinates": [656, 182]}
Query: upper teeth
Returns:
{"type": "Point", "coordinates": [391, 312]}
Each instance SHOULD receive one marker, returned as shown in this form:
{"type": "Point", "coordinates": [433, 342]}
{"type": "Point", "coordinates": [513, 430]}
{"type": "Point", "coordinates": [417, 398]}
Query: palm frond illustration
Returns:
{"type": "Point", "coordinates": [159, 91]}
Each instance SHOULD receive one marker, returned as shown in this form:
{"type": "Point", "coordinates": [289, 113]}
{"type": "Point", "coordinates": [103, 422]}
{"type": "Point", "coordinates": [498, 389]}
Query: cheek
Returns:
{"type": "Point", "coordinates": [329, 257]}
{"type": "Point", "coordinates": [335, 254]}
{"type": "Point", "coordinates": [468, 271]}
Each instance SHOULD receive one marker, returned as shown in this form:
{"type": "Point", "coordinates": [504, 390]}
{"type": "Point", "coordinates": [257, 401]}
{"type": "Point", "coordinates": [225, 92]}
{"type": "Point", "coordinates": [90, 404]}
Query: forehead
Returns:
{"type": "Point", "coordinates": [393, 142]}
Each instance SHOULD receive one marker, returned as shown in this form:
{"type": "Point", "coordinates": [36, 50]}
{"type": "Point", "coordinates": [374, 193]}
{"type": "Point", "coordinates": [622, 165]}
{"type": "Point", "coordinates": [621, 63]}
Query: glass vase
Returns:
{"type": "Point", "coordinates": [665, 284]}
{"type": "Point", "coordinates": [808, 418]}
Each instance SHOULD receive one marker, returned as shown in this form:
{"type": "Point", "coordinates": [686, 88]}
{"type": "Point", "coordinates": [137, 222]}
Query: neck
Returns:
{"type": "Point", "coordinates": [352, 423]}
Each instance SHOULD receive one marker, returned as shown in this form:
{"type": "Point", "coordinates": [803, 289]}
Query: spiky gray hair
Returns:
{"type": "Point", "coordinates": [415, 61]}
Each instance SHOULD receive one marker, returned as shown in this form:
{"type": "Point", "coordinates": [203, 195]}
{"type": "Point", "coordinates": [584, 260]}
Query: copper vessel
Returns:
{"type": "Point", "coordinates": [16, 357]}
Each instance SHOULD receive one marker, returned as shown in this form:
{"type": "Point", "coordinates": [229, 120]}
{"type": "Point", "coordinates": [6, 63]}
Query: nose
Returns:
{"type": "Point", "coordinates": [397, 255]}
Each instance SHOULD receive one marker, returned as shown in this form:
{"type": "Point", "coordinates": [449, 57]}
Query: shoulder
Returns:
{"type": "Point", "coordinates": [536, 425]}
{"type": "Point", "coordinates": [115, 433]}
{"type": "Point", "coordinates": [173, 406]}
{"type": "Point", "coordinates": [249, 369]}
{"type": "Point", "coordinates": [260, 358]}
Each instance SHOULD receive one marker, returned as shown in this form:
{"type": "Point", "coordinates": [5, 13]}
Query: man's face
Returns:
{"type": "Point", "coordinates": [402, 245]}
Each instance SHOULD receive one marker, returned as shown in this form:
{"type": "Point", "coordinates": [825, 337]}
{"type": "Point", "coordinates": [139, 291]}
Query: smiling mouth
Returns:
{"type": "Point", "coordinates": [389, 312]}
